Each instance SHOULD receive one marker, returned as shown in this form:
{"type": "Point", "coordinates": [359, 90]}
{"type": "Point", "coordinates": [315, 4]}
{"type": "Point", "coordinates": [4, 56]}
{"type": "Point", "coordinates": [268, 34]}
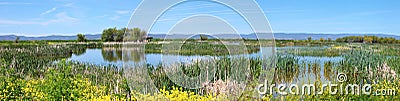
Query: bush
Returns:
{"type": "Point", "coordinates": [81, 38]}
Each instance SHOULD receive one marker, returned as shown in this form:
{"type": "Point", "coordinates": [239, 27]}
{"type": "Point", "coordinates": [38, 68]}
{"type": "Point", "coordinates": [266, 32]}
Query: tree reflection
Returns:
{"type": "Point", "coordinates": [287, 69]}
{"type": "Point", "coordinates": [112, 54]}
{"type": "Point", "coordinates": [125, 54]}
{"type": "Point", "coordinates": [328, 70]}
{"type": "Point", "coordinates": [79, 51]}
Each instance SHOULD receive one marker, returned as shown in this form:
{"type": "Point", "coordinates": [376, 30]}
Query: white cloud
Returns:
{"type": "Point", "coordinates": [14, 3]}
{"type": "Point", "coordinates": [194, 7]}
{"type": "Point", "coordinates": [49, 11]}
{"type": "Point", "coordinates": [115, 17]}
{"type": "Point", "coordinates": [118, 14]}
{"type": "Point", "coordinates": [68, 5]}
{"type": "Point", "coordinates": [122, 12]}
{"type": "Point", "coordinates": [59, 18]}
{"type": "Point", "coordinates": [13, 22]}
{"type": "Point", "coordinates": [63, 17]}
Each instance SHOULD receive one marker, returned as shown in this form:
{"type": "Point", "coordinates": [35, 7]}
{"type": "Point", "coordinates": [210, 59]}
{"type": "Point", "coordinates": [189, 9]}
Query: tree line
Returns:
{"type": "Point", "coordinates": [367, 39]}
{"type": "Point", "coordinates": [119, 35]}
{"type": "Point", "coordinates": [123, 34]}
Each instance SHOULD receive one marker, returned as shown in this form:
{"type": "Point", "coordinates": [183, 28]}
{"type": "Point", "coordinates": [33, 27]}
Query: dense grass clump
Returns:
{"type": "Point", "coordinates": [41, 72]}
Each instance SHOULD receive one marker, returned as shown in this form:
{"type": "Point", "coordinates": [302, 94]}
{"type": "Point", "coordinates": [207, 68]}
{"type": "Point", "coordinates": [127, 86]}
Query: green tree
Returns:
{"type": "Point", "coordinates": [321, 39]}
{"type": "Point", "coordinates": [135, 34]}
{"type": "Point", "coordinates": [108, 34]}
{"type": "Point", "coordinates": [16, 39]}
{"type": "Point", "coordinates": [149, 39]}
{"type": "Point", "coordinates": [81, 38]}
{"type": "Point", "coordinates": [203, 37]}
{"type": "Point", "coordinates": [329, 39]}
{"type": "Point", "coordinates": [368, 39]}
{"type": "Point", "coordinates": [119, 35]}
{"type": "Point", "coordinates": [142, 35]}
{"type": "Point", "coordinates": [309, 39]}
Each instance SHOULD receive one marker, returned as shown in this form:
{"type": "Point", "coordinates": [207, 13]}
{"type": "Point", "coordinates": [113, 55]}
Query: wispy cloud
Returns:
{"type": "Point", "coordinates": [175, 15]}
{"type": "Point", "coordinates": [346, 16]}
{"type": "Point", "coordinates": [14, 22]}
{"type": "Point", "coordinates": [59, 18]}
{"type": "Point", "coordinates": [49, 11]}
{"type": "Point", "coordinates": [63, 17]}
{"type": "Point", "coordinates": [118, 14]}
{"type": "Point", "coordinates": [195, 7]}
{"type": "Point", "coordinates": [15, 3]}
{"type": "Point", "coordinates": [116, 17]}
{"type": "Point", "coordinates": [68, 5]}
{"type": "Point", "coordinates": [122, 12]}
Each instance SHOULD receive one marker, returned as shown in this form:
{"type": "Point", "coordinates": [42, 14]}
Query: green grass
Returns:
{"type": "Point", "coordinates": [32, 64]}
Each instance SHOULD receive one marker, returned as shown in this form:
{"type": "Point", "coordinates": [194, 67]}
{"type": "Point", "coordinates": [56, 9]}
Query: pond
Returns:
{"type": "Point", "coordinates": [115, 56]}
{"type": "Point", "coordinates": [119, 56]}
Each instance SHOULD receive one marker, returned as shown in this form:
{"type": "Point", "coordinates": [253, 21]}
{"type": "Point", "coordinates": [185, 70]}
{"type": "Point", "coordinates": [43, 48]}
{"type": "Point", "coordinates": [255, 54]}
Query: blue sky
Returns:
{"type": "Point", "coordinates": [69, 17]}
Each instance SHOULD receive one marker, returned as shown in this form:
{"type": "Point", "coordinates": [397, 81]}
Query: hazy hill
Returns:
{"type": "Point", "coordinates": [52, 37]}
{"type": "Point", "coordinates": [280, 36]}
{"type": "Point", "coordinates": [291, 36]}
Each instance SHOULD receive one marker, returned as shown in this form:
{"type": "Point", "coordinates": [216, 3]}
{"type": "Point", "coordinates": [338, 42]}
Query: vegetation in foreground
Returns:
{"type": "Point", "coordinates": [37, 70]}
{"type": "Point", "coordinates": [29, 73]}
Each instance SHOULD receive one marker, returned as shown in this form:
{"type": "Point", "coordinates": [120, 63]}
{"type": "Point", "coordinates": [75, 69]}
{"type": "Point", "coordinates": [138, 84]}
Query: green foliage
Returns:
{"type": "Point", "coordinates": [16, 39]}
{"type": "Point", "coordinates": [81, 38]}
{"type": "Point", "coordinates": [203, 37]}
{"type": "Point", "coordinates": [123, 34]}
{"type": "Point", "coordinates": [312, 51]}
{"type": "Point", "coordinates": [329, 39]}
{"type": "Point", "coordinates": [366, 39]}
{"type": "Point", "coordinates": [136, 35]}
{"type": "Point", "coordinates": [119, 35]}
{"type": "Point", "coordinates": [191, 48]}
{"type": "Point", "coordinates": [38, 72]}
{"type": "Point", "coordinates": [62, 81]}
{"type": "Point", "coordinates": [108, 34]}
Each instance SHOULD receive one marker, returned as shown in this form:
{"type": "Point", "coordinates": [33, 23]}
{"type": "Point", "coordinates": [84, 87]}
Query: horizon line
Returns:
{"type": "Point", "coordinates": [159, 33]}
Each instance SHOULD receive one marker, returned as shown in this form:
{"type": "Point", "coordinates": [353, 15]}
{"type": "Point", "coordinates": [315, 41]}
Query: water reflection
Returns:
{"type": "Point", "coordinates": [306, 68]}
{"type": "Point", "coordinates": [112, 54]}
{"type": "Point", "coordinates": [79, 51]}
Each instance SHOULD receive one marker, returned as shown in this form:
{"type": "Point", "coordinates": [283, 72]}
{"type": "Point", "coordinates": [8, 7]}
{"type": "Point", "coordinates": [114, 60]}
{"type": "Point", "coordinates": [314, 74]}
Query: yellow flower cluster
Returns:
{"type": "Point", "coordinates": [83, 89]}
{"type": "Point", "coordinates": [177, 94]}
{"type": "Point", "coordinates": [392, 85]}
{"type": "Point", "coordinates": [31, 90]}
{"type": "Point", "coordinates": [108, 98]}
{"type": "Point", "coordinates": [392, 93]}
{"type": "Point", "coordinates": [44, 89]}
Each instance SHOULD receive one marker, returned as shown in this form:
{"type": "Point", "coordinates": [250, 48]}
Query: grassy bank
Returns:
{"type": "Point", "coordinates": [40, 72]}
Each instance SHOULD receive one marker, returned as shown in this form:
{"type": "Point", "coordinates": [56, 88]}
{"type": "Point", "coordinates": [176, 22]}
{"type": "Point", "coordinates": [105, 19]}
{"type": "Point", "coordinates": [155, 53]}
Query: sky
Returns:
{"type": "Point", "coordinates": [70, 17]}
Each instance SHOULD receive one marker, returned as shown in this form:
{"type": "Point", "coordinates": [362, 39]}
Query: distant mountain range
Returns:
{"type": "Point", "coordinates": [52, 37]}
{"type": "Point", "coordinates": [280, 36]}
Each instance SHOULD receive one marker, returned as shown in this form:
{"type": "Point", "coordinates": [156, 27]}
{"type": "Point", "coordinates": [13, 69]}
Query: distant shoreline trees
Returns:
{"type": "Point", "coordinates": [81, 38]}
{"type": "Point", "coordinates": [16, 39]}
{"type": "Point", "coordinates": [203, 37]}
{"type": "Point", "coordinates": [309, 39]}
{"type": "Point", "coordinates": [367, 39]}
{"type": "Point", "coordinates": [123, 34]}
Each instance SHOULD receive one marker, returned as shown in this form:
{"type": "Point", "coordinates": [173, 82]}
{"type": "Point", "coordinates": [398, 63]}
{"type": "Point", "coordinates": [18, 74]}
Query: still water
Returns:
{"type": "Point", "coordinates": [118, 56]}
